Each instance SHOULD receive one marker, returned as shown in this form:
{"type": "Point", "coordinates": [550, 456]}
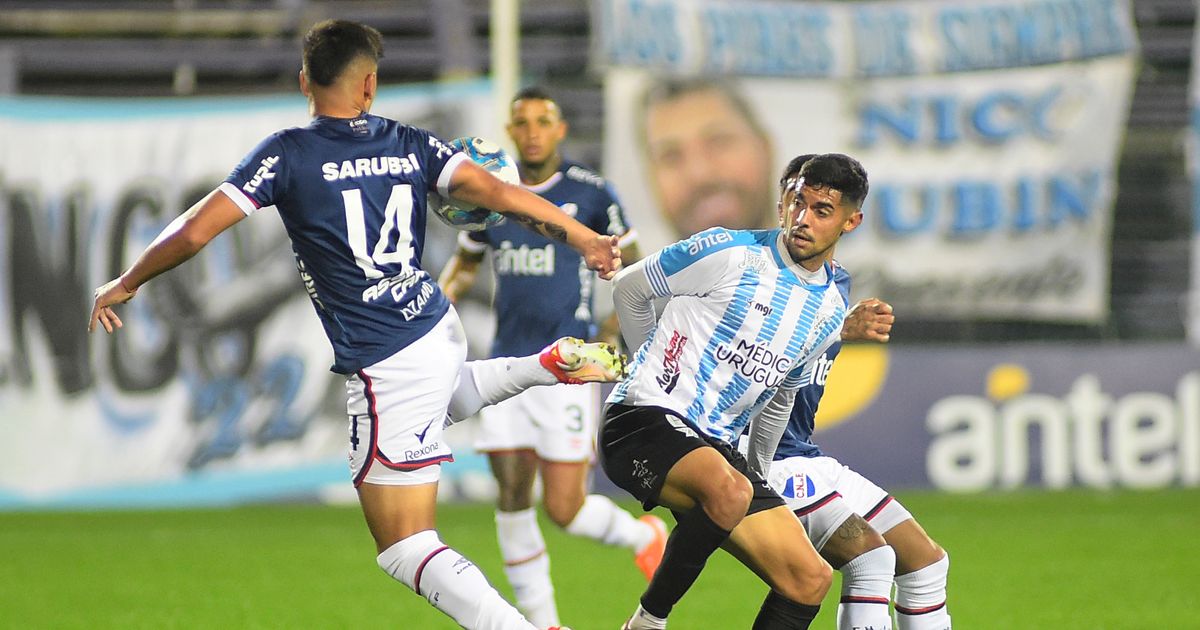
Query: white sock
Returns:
{"type": "Point", "coordinates": [921, 598]}
{"type": "Point", "coordinates": [866, 590]}
{"type": "Point", "coordinates": [527, 565]}
{"type": "Point", "coordinates": [483, 383]}
{"type": "Point", "coordinates": [643, 620]}
{"type": "Point", "coordinates": [453, 584]}
{"type": "Point", "coordinates": [600, 519]}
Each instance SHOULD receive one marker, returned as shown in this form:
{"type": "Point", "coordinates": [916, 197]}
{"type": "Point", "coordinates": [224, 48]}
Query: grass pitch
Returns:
{"type": "Point", "coordinates": [1018, 561]}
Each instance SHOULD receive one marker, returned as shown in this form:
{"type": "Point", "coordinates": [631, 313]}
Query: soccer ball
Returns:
{"type": "Point", "coordinates": [494, 159]}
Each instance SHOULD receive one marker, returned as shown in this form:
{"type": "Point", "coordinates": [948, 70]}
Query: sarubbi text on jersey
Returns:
{"type": "Point", "coordinates": [366, 167]}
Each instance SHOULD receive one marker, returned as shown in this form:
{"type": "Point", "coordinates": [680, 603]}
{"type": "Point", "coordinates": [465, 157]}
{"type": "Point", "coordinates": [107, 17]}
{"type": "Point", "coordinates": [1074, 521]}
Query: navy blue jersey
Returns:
{"type": "Point", "coordinates": [797, 436]}
{"type": "Point", "coordinates": [543, 287]}
{"type": "Point", "coordinates": [351, 193]}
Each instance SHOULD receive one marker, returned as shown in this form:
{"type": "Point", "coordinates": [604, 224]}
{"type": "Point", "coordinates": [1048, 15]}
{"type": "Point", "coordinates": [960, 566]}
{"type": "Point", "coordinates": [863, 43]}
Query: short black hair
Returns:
{"type": "Point", "coordinates": [793, 168]}
{"type": "Point", "coordinates": [839, 172]}
{"type": "Point", "coordinates": [331, 45]}
{"type": "Point", "coordinates": [671, 89]}
{"type": "Point", "coordinates": [536, 93]}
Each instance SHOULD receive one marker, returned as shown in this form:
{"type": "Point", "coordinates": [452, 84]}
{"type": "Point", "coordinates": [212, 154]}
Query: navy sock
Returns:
{"type": "Point", "coordinates": [780, 613]}
{"type": "Point", "coordinates": [691, 542]}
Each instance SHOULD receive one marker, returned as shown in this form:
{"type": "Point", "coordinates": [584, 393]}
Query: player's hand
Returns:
{"type": "Point", "coordinates": [869, 320]}
{"type": "Point", "coordinates": [107, 296]}
{"type": "Point", "coordinates": [603, 256]}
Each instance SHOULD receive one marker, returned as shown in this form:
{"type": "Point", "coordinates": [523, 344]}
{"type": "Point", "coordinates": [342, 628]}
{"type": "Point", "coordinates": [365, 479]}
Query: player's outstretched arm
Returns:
{"type": "Point", "coordinates": [459, 273]}
{"type": "Point", "coordinates": [633, 303]}
{"type": "Point", "coordinates": [610, 327]}
{"type": "Point", "coordinates": [179, 241]}
{"type": "Point", "coordinates": [474, 185]}
{"type": "Point", "coordinates": [869, 320]}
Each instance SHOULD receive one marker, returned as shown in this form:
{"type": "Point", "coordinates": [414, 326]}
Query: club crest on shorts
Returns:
{"type": "Point", "coordinates": [798, 486]}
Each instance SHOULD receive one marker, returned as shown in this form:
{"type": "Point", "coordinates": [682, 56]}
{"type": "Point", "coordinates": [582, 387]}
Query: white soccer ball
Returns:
{"type": "Point", "coordinates": [495, 160]}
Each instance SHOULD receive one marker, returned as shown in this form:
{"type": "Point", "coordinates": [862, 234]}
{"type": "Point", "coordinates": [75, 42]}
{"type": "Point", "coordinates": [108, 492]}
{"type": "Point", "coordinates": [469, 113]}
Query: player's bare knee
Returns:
{"type": "Point", "coordinates": [857, 535]}
{"type": "Point", "coordinates": [727, 498]}
{"type": "Point", "coordinates": [806, 583]}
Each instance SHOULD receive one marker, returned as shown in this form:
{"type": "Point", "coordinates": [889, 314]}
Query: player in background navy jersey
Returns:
{"type": "Point", "coordinates": [857, 527]}
{"type": "Point", "coordinates": [544, 291]}
{"type": "Point", "coordinates": [351, 191]}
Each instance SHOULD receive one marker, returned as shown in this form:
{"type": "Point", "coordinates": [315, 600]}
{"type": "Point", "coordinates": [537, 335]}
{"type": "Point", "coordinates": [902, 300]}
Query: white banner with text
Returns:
{"type": "Point", "coordinates": [990, 131]}
{"type": "Point", "coordinates": [218, 388]}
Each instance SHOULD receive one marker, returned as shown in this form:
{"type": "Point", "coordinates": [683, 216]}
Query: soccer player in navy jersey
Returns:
{"type": "Point", "coordinates": [351, 190]}
{"type": "Point", "coordinates": [543, 291]}
{"type": "Point", "coordinates": [747, 314]}
{"type": "Point", "coordinates": [856, 526]}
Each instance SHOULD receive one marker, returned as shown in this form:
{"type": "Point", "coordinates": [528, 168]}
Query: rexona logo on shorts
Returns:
{"type": "Point", "coordinates": [1086, 437]}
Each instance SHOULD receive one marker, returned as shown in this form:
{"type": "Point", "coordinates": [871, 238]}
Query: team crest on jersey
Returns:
{"type": "Point", "coordinates": [798, 486]}
{"type": "Point", "coordinates": [754, 260]}
{"type": "Point", "coordinates": [670, 375]}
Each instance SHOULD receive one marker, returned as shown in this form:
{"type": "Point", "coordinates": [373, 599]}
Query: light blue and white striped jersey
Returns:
{"type": "Point", "coordinates": [740, 323]}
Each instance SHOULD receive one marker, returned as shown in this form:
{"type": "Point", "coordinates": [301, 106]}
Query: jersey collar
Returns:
{"type": "Point", "coordinates": [793, 270]}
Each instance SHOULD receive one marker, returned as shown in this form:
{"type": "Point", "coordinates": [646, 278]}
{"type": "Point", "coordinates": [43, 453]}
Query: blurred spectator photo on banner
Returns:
{"type": "Point", "coordinates": [977, 147]}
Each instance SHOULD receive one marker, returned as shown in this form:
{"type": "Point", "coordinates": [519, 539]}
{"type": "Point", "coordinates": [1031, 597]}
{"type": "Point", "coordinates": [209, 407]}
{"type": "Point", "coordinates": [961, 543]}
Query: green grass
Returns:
{"type": "Point", "coordinates": [1019, 561]}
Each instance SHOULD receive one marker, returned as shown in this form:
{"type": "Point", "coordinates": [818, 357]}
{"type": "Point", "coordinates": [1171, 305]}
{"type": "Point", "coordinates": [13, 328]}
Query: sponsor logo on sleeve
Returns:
{"type": "Point", "coordinates": [263, 173]}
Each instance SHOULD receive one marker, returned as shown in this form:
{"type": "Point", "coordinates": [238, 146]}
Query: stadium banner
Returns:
{"type": "Point", "coordinates": [989, 417]}
{"type": "Point", "coordinates": [990, 131]}
{"type": "Point", "coordinates": [218, 389]}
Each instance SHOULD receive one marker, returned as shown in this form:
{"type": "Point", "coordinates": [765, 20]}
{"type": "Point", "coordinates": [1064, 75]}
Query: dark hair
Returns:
{"type": "Point", "coordinates": [331, 45]}
{"type": "Point", "coordinates": [793, 167]}
{"type": "Point", "coordinates": [673, 89]}
{"type": "Point", "coordinates": [536, 93]}
{"type": "Point", "coordinates": [839, 172]}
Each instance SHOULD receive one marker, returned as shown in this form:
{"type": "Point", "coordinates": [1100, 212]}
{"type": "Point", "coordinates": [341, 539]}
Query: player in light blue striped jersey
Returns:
{"type": "Point", "coordinates": [747, 314]}
{"type": "Point", "coordinates": [863, 531]}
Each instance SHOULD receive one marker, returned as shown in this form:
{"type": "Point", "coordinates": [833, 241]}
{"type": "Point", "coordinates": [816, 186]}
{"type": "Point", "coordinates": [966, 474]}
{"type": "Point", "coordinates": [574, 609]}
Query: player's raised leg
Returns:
{"type": "Point", "coordinates": [567, 360]}
{"type": "Point", "coordinates": [396, 408]}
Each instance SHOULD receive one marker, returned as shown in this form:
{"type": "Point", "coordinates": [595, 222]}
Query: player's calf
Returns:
{"type": "Point", "coordinates": [452, 583]}
{"type": "Point", "coordinates": [921, 598]}
{"type": "Point", "coordinates": [866, 587]}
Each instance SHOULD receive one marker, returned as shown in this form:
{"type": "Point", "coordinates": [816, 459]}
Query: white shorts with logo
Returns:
{"type": "Point", "coordinates": [397, 407]}
{"type": "Point", "coordinates": [557, 421]}
{"type": "Point", "coordinates": [824, 493]}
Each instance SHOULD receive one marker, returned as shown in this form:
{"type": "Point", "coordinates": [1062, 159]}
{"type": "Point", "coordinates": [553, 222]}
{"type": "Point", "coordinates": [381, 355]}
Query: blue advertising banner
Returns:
{"type": "Point", "coordinates": [1002, 417]}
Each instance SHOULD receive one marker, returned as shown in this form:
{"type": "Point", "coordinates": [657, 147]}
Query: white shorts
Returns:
{"type": "Point", "coordinates": [824, 493]}
{"type": "Point", "coordinates": [397, 407]}
{"type": "Point", "coordinates": [557, 421]}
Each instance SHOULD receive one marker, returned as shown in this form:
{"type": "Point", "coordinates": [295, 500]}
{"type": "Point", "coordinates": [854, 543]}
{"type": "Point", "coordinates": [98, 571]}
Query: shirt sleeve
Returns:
{"type": "Point", "coordinates": [259, 180]}
{"type": "Point", "coordinates": [439, 160]}
{"type": "Point", "coordinates": [633, 301]}
{"type": "Point", "coordinates": [767, 428]}
{"type": "Point", "coordinates": [693, 266]}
